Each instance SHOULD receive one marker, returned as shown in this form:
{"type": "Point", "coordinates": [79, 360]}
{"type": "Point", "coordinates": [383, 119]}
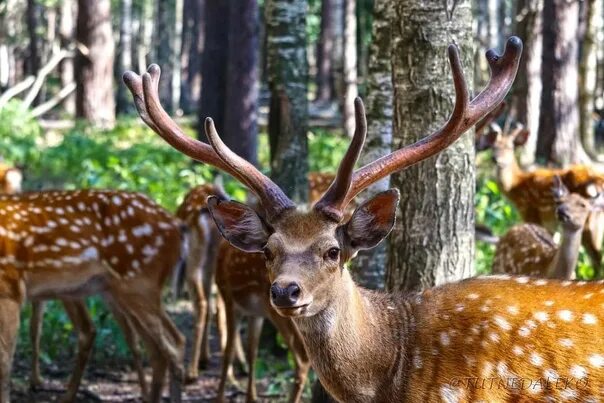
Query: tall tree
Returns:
{"type": "Point", "coordinates": [527, 87]}
{"type": "Point", "coordinates": [192, 49]}
{"type": "Point", "coordinates": [350, 65]}
{"type": "Point", "coordinates": [214, 64]}
{"type": "Point", "coordinates": [34, 56]}
{"type": "Point", "coordinates": [67, 36]}
{"type": "Point", "coordinates": [588, 72]}
{"type": "Point", "coordinates": [164, 33]}
{"type": "Point", "coordinates": [433, 241]}
{"type": "Point", "coordinates": [370, 265]}
{"type": "Point", "coordinates": [94, 63]}
{"type": "Point", "coordinates": [123, 102]}
{"type": "Point", "coordinates": [324, 78]}
{"type": "Point", "coordinates": [288, 115]}
{"type": "Point", "coordinates": [241, 129]}
{"type": "Point", "coordinates": [559, 115]}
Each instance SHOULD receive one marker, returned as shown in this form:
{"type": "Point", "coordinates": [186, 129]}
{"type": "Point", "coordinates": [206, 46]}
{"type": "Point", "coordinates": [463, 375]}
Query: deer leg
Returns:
{"type": "Point", "coordinates": [9, 325]}
{"type": "Point", "coordinates": [200, 308]}
{"type": "Point", "coordinates": [295, 343]}
{"type": "Point", "coordinates": [132, 340]}
{"type": "Point", "coordinates": [222, 334]}
{"type": "Point", "coordinates": [232, 326]}
{"type": "Point", "coordinates": [35, 332]}
{"type": "Point", "coordinates": [254, 330]}
{"type": "Point", "coordinates": [78, 314]}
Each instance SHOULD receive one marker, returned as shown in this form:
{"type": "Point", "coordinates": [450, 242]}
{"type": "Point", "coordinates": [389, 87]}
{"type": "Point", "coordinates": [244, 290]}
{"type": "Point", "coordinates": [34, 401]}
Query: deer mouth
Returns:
{"type": "Point", "coordinates": [292, 311]}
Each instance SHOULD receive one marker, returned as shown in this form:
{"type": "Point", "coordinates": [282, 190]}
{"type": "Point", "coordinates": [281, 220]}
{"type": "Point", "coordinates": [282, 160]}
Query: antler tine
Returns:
{"type": "Point", "coordinates": [271, 196]}
{"type": "Point", "coordinates": [134, 82]}
{"type": "Point", "coordinates": [335, 194]}
{"type": "Point", "coordinates": [465, 115]}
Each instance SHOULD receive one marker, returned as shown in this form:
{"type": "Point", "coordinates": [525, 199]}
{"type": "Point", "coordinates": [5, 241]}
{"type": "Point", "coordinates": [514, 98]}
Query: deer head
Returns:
{"type": "Point", "coordinates": [306, 251]}
{"type": "Point", "coordinates": [572, 209]}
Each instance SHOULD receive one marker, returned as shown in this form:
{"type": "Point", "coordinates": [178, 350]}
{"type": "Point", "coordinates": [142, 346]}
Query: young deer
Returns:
{"type": "Point", "coordinates": [72, 244]}
{"type": "Point", "coordinates": [530, 192]}
{"type": "Point", "coordinates": [529, 249]}
{"type": "Point", "coordinates": [445, 343]}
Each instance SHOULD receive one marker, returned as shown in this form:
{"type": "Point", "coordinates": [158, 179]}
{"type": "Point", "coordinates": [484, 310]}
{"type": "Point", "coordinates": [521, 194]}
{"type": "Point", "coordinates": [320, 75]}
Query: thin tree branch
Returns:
{"type": "Point", "coordinates": [54, 101]}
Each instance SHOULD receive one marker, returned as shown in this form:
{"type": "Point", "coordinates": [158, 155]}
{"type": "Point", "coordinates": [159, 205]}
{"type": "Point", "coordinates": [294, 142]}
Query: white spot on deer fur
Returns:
{"type": "Point", "coordinates": [517, 350]}
{"type": "Point", "coordinates": [494, 337]}
{"type": "Point", "coordinates": [149, 250]}
{"type": "Point", "coordinates": [548, 303]}
{"type": "Point", "coordinates": [61, 241]}
{"type": "Point", "coordinates": [512, 309]}
{"type": "Point", "coordinates": [588, 295]}
{"type": "Point", "coordinates": [114, 260]}
{"type": "Point", "coordinates": [565, 315]}
{"type": "Point", "coordinates": [487, 369]}
{"type": "Point", "coordinates": [540, 282]}
{"type": "Point", "coordinates": [59, 211]}
{"type": "Point", "coordinates": [536, 359]}
{"type": "Point", "coordinates": [485, 308]}
{"type": "Point", "coordinates": [141, 230]}
{"type": "Point", "coordinates": [459, 307]}
{"type": "Point", "coordinates": [596, 360]}
{"type": "Point", "coordinates": [136, 264]}
{"type": "Point", "coordinates": [568, 394]}
{"type": "Point", "coordinates": [51, 224]}
{"type": "Point", "coordinates": [116, 200]}
{"type": "Point", "coordinates": [129, 248]}
{"type": "Point", "coordinates": [578, 371]}
{"type": "Point", "coordinates": [90, 253]}
{"type": "Point", "coordinates": [81, 206]}
{"type": "Point", "coordinates": [417, 359]}
{"type": "Point", "coordinates": [566, 342]}
{"type": "Point", "coordinates": [472, 296]}
{"type": "Point", "coordinates": [550, 374]}
{"type": "Point", "coordinates": [524, 331]}
{"type": "Point", "coordinates": [589, 319]}
{"type": "Point", "coordinates": [445, 340]}
{"type": "Point", "coordinates": [566, 283]}
{"type": "Point", "coordinates": [502, 323]}
{"type": "Point", "coordinates": [541, 316]}
{"type": "Point", "coordinates": [449, 394]}
{"type": "Point", "coordinates": [522, 280]}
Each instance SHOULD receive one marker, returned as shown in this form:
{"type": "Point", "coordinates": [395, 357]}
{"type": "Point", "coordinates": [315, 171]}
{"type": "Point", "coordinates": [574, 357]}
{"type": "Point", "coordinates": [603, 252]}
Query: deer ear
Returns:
{"type": "Point", "coordinates": [485, 141]}
{"type": "Point", "coordinates": [559, 191]}
{"type": "Point", "coordinates": [521, 137]}
{"type": "Point", "coordinates": [239, 224]}
{"type": "Point", "coordinates": [372, 221]}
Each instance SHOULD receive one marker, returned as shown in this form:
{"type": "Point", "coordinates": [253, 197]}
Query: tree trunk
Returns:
{"type": "Point", "coordinates": [494, 23]}
{"type": "Point", "coordinates": [337, 17]}
{"type": "Point", "coordinates": [241, 115]}
{"type": "Point", "coordinates": [526, 93]}
{"type": "Point", "coordinates": [94, 70]}
{"type": "Point", "coordinates": [164, 50]}
{"type": "Point", "coordinates": [370, 265]}
{"type": "Point", "coordinates": [587, 74]}
{"type": "Point", "coordinates": [124, 102]}
{"type": "Point", "coordinates": [33, 61]}
{"type": "Point", "coordinates": [67, 35]}
{"type": "Point", "coordinates": [324, 79]}
{"type": "Point", "coordinates": [350, 65]}
{"type": "Point", "coordinates": [433, 241]}
{"type": "Point", "coordinates": [288, 75]}
{"type": "Point", "coordinates": [559, 116]}
{"type": "Point", "coordinates": [192, 48]}
{"type": "Point", "coordinates": [214, 64]}
{"type": "Point", "coordinates": [145, 51]}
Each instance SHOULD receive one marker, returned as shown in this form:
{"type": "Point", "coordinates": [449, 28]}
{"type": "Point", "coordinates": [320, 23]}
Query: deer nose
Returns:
{"type": "Point", "coordinates": [285, 296]}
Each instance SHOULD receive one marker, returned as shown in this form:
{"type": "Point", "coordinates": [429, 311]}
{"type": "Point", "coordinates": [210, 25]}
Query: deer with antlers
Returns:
{"type": "Point", "coordinates": [529, 249]}
{"type": "Point", "coordinates": [72, 244]}
{"type": "Point", "coordinates": [530, 191]}
{"type": "Point", "coordinates": [381, 347]}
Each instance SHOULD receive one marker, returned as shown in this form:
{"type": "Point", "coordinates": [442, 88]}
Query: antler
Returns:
{"type": "Point", "coordinates": [465, 114]}
{"type": "Point", "coordinates": [145, 92]}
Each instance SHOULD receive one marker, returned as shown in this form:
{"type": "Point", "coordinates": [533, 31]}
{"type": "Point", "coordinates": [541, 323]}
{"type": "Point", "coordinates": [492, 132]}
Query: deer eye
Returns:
{"type": "Point", "coordinates": [332, 254]}
{"type": "Point", "coordinates": [268, 255]}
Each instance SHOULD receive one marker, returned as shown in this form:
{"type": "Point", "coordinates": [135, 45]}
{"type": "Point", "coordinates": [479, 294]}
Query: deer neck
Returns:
{"type": "Point", "coordinates": [356, 339]}
{"type": "Point", "coordinates": [565, 261]}
{"type": "Point", "coordinates": [508, 174]}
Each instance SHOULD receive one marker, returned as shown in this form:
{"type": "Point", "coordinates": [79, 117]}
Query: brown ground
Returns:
{"type": "Point", "coordinates": [116, 382]}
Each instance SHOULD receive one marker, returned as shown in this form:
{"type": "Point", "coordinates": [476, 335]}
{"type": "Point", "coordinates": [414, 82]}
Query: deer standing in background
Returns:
{"type": "Point", "coordinates": [72, 244]}
{"type": "Point", "coordinates": [530, 192]}
{"type": "Point", "coordinates": [369, 346]}
{"type": "Point", "coordinates": [529, 249]}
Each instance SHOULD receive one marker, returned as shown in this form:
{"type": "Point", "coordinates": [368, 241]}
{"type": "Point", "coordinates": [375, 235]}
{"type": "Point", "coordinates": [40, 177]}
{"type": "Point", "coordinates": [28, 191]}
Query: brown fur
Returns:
{"type": "Point", "coordinates": [71, 244]}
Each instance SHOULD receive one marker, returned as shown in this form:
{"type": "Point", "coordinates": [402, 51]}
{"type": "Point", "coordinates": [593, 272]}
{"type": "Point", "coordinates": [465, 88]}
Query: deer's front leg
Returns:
{"type": "Point", "coordinates": [9, 325]}
{"type": "Point", "coordinates": [35, 332]}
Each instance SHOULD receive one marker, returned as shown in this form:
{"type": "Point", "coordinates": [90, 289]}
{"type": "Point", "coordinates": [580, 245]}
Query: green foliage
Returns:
{"type": "Point", "coordinates": [19, 132]}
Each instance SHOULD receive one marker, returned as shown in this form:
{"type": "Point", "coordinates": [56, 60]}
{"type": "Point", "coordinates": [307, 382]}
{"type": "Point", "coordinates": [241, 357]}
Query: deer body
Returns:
{"type": "Point", "coordinates": [72, 244]}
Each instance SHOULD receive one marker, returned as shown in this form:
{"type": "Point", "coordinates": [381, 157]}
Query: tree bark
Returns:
{"type": "Point", "coordinates": [241, 129]}
{"type": "Point", "coordinates": [350, 65]}
{"type": "Point", "coordinates": [192, 48]}
{"type": "Point", "coordinates": [433, 241]}
{"type": "Point", "coordinates": [559, 115]}
{"type": "Point", "coordinates": [370, 265]}
{"type": "Point", "coordinates": [164, 50]}
{"type": "Point", "coordinates": [587, 74]}
{"type": "Point", "coordinates": [34, 57]}
{"type": "Point", "coordinates": [214, 64]}
{"type": "Point", "coordinates": [324, 79]}
{"type": "Point", "coordinates": [288, 115]}
{"type": "Point", "coordinates": [526, 93]}
{"type": "Point", "coordinates": [124, 103]}
{"type": "Point", "coordinates": [337, 16]}
{"type": "Point", "coordinates": [67, 35]}
{"type": "Point", "coordinates": [94, 70]}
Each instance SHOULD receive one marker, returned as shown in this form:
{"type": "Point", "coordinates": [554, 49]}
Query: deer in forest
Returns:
{"type": "Point", "coordinates": [200, 274]}
{"type": "Point", "coordinates": [72, 244]}
{"type": "Point", "coordinates": [529, 249]}
{"type": "Point", "coordinates": [442, 344]}
{"type": "Point", "coordinates": [530, 192]}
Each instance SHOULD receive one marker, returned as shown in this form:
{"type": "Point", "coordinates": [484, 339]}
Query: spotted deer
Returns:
{"type": "Point", "coordinates": [201, 266]}
{"type": "Point", "coordinates": [530, 192]}
{"type": "Point", "coordinates": [529, 249]}
{"type": "Point", "coordinates": [72, 244]}
{"type": "Point", "coordinates": [435, 345]}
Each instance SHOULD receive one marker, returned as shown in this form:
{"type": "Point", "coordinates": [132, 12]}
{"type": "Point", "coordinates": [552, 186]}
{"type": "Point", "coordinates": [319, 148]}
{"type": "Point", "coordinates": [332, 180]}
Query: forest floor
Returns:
{"type": "Point", "coordinates": [115, 381]}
